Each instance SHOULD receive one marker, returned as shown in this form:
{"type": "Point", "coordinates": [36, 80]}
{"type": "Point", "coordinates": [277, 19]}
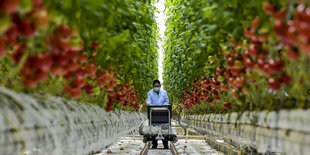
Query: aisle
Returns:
{"type": "Point", "coordinates": [133, 146]}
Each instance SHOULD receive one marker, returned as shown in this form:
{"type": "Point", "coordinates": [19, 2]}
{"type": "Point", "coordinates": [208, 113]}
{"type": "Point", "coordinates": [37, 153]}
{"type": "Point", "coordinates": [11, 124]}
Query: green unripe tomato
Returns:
{"type": "Point", "coordinates": [96, 91]}
{"type": "Point", "coordinates": [221, 78]}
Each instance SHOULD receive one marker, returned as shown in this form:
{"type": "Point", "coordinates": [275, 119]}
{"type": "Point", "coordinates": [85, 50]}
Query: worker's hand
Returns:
{"type": "Point", "coordinates": [150, 104]}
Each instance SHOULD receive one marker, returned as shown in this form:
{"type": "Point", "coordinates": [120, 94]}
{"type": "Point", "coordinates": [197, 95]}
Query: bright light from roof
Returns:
{"type": "Point", "coordinates": [161, 19]}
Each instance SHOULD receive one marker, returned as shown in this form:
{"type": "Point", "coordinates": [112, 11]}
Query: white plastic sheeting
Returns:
{"type": "Point", "coordinates": [286, 131]}
{"type": "Point", "coordinates": [52, 125]}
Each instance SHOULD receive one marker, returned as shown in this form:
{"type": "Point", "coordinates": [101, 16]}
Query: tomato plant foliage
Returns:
{"type": "Point", "coordinates": [126, 31]}
{"type": "Point", "coordinates": [235, 55]}
{"type": "Point", "coordinates": [98, 51]}
{"type": "Point", "coordinates": [220, 55]}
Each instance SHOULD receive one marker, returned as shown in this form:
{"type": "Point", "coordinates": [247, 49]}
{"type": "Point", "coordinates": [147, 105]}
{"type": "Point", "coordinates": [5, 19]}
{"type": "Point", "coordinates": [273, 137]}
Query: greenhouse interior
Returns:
{"type": "Point", "coordinates": [157, 77]}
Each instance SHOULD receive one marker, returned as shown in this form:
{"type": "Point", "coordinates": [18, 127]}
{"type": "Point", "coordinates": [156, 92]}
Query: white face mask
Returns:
{"type": "Point", "coordinates": [156, 89]}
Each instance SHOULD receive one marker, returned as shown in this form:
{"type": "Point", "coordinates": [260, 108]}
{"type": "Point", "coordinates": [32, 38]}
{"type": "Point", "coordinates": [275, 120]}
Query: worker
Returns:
{"type": "Point", "coordinates": [157, 97]}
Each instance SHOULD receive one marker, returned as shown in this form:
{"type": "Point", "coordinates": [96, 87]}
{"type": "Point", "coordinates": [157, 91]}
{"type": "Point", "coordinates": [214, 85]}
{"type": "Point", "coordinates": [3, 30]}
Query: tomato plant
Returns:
{"type": "Point", "coordinates": [236, 56]}
{"type": "Point", "coordinates": [103, 52]}
{"type": "Point", "coordinates": [219, 55]}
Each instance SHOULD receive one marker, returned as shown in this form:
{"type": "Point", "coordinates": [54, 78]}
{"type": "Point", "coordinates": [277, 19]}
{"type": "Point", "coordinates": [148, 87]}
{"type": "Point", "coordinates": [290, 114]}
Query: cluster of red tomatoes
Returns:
{"type": "Point", "coordinates": [208, 90]}
{"type": "Point", "coordinates": [15, 22]}
{"type": "Point", "coordinates": [64, 55]}
{"type": "Point", "coordinates": [294, 32]}
{"type": "Point", "coordinates": [124, 96]}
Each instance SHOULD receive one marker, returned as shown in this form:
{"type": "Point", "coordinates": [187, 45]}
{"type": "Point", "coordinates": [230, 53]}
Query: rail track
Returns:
{"type": "Point", "coordinates": [147, 150]}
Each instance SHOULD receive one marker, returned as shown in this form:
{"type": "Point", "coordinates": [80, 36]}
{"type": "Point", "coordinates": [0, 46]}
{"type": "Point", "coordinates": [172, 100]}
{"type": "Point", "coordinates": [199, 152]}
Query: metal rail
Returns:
{"type": "Point", "coordinates": [174, 150]}
{"type": "Point", "coordinates": [147, 146]}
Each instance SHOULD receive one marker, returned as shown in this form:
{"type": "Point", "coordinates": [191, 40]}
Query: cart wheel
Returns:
{"type": "Point", "coordinates": [144, 139]}
{"type": "Point", "coordinates": [175, 139]}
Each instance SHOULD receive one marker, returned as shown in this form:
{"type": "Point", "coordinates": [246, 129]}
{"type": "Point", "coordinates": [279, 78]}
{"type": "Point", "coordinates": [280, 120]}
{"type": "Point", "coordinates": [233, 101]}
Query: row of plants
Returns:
{"type": "Point", "coordinates": [101, 52]}
{"type": "Point", "coordinates": [224, 56]}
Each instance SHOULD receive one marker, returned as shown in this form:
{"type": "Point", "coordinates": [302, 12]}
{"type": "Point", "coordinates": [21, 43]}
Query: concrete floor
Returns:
{"type": "Point", "coordinates": [193, 144]}
{"type": "Point", "coordinates": [133, 146]}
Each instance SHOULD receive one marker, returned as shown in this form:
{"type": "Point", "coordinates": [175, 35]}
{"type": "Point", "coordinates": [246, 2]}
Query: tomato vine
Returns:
{"type": "Point", "coordinates": [232, 56]}
{"type": "Point", "coordinates": [103, 52]}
